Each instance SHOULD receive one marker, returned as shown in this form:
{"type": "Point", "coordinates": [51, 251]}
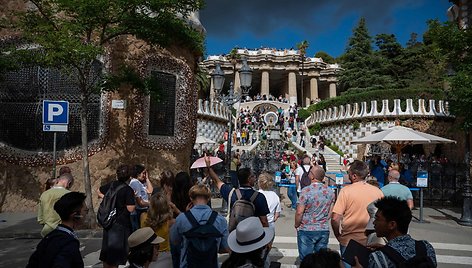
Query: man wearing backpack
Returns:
{"type": "Point", "coordinates": [243, 194]}
{"type": "Point", "coordinates": [301, 174]}
{"type": "Point", "coordinates": [391, 221]}
{"type": "Point", "coordinates": [115, 238]}
{"type": "Point", "coordinates": [202, 232]}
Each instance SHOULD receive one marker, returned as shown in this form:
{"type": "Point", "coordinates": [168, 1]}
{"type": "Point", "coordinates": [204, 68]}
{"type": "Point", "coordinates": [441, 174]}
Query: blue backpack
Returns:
{"type": "Point", "coordinates": [202, 250]}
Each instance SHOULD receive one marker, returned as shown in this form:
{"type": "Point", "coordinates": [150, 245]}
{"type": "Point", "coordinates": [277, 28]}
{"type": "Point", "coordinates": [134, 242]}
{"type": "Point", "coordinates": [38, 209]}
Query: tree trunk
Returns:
{"type": "Point", "coordinates": [91, 220]}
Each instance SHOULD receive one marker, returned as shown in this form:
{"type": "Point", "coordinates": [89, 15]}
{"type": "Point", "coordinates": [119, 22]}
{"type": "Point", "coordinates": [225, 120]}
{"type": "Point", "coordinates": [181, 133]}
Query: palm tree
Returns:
{"type": "Point", "coordinates": [302, 46]}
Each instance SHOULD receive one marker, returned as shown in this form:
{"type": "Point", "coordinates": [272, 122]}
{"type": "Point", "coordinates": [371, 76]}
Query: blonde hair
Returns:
{"type": "Point", "coordinates": [159, 211]}
{"type": "Point", "coordinates": [266, 181]}
{"type": "Point", "coordinates": [199, 190]}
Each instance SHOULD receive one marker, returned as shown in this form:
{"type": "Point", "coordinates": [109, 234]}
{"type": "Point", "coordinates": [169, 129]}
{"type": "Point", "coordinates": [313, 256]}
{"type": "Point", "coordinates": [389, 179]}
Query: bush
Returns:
{"type": "Point", "coordinates": [303, 114]}
{"type": "Point", "coordinates": [315, 129]}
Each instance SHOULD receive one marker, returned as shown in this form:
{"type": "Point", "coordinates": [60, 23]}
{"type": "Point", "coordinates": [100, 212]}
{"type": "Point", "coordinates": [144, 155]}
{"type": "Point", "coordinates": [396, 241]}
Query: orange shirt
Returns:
{"type": "Point", "coordinates": [352, 204]}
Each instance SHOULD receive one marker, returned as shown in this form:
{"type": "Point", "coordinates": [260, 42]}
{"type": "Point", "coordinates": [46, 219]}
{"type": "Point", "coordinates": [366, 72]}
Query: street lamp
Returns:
{"type": "Point", "coordinates": [218, 79]}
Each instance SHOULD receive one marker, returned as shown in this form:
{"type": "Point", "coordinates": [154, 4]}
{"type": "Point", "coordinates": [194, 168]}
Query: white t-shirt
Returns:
{"type": "Point", "coordinates": [299, 173]}
{"type": "Point", "coordinates": [273, 202]}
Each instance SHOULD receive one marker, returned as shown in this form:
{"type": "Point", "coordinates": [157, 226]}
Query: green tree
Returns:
{"type": "Point", "coordinates": [361, 67]}
{"type": "Point", "coordinates": [388, 45]}
{"type": "Point", "coordinates": [74, 34]}
{"type": "Point", "coordinates": [325, 56]}
{"type": "Point", "coordinates": [455, 44]}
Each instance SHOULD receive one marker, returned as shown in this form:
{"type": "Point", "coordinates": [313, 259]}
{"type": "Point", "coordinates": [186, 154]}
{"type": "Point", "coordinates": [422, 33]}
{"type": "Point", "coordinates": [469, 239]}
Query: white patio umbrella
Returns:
{"type": "Point", "coordinates": [200, 140]}
{"type": "Point", "coordinates": [399, 137]}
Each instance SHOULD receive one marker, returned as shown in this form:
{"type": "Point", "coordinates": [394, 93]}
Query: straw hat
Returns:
{"type": "Point", "coordinates": [143, 236]}
{"type": "Point", "coordinates": [249, 235]}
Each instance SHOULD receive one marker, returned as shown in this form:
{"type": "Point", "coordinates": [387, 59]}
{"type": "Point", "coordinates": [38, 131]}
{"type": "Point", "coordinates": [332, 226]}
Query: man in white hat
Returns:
{"type": "Point", "coordinates": [144, 247]}
{"type": "Point", "coordinates": [248, 240]}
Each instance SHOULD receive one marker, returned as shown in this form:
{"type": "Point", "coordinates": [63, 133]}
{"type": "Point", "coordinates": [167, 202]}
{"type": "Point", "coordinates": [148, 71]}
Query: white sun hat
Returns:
{"type": "Point", "coordinates": [249, 235]}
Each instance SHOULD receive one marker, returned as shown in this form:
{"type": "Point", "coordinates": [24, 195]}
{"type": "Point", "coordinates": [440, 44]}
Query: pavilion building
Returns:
{"type": "Point", "coordinates": [280, 73]}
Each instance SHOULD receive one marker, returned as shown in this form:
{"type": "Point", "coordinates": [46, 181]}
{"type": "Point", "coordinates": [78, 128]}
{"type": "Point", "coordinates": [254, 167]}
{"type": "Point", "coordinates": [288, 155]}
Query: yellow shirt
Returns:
{"type": "Point", "coordinates": [46, 213]}
{"type": "Point", "coordinates": [162, 231]}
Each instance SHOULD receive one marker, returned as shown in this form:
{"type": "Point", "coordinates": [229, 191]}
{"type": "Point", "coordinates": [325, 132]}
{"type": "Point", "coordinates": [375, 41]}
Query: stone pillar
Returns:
{"type": "Point", "coordinates": [292, 87]}
{"type": "Point", "coordinates": [212, 90]}
{"type": "Point", "coordinates": [314, 88]}
{"type": "Point", "coordinates": [332, 89]}
{"type": "Point", "coordinates": [265, 84]}
{"type": "Point", "coordinates": [237, 82]}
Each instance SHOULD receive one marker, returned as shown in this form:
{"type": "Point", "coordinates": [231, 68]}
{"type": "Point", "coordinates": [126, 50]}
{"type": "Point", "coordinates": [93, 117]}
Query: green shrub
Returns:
{"type": "Point", "coordinates": [303, 114]}
{"type": "Point", "coordinates": [356, 125]}
{"type": "Point", "coordinates": [315, 129]}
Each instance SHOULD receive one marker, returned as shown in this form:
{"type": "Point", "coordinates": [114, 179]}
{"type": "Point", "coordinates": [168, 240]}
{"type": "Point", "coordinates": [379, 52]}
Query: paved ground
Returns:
{"type": "Point", "coordinates": [19, 235]}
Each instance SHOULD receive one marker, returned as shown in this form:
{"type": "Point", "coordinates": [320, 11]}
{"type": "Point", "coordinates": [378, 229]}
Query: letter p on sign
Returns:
{"type": "Point", "coordinates": [55, 112]}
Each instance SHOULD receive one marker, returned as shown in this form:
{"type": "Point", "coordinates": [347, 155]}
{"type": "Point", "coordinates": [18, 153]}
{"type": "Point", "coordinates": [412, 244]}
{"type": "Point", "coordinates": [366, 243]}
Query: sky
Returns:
{"type": "Point", "coordinates": [326, 24]}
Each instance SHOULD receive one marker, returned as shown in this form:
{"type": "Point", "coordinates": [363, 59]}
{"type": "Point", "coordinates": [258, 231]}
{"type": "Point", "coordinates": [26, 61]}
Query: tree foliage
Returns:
{"type": "Point", "coordinates": [325, 56]}
{"type": "Point", "coordinates": [455, 44]}
{"type": "Point", "coordinates": [361, 66]}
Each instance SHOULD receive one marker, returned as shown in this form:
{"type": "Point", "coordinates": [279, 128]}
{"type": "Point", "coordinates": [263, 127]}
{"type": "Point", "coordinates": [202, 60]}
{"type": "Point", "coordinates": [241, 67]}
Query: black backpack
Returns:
{"type": "Point", "coordinates": [305, 180]}
{"type": "Point", "coordinates": [202, 250]}
{"type": "Point", "coordinates": [420, 260]}
{"type": "Point", "coordinates": [107, 213]}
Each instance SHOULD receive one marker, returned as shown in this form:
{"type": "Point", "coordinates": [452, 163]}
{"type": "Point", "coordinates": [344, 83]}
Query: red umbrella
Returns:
{"type": "Point", "coordinates": [200, 162]}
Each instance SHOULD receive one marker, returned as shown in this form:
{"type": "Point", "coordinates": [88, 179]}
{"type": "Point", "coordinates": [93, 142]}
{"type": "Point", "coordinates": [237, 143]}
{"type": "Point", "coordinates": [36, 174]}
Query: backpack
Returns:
{"type": "Point", "coordinates": [420, 260]}
{"type": "Point", "coordinates": [107, 213]}
{"type": "Point", "coordinates": [202, 250]}
{"type": "Point", "coordinates": [305, 180]}
{"type": "Point", "coordinates": [241, 209]}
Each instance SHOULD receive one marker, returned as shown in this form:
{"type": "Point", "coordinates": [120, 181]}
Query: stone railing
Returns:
{"type": "Point", "coordinates": [214, 109]}
{"type": "Point", "coordinates": [362, 110]}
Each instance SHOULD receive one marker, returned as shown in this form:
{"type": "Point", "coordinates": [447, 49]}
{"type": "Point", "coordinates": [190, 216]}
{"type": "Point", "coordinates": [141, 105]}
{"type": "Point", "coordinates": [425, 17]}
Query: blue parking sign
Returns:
{"type": "Point", "coordinates": [55, 112]}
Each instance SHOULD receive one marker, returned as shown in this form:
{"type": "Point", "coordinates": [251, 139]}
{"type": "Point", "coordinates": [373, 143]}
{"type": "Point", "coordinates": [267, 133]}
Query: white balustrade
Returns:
{"type": "Point", "coordinates": [213, 109]}
{"type": "Point", "coordinates": [362, 110]}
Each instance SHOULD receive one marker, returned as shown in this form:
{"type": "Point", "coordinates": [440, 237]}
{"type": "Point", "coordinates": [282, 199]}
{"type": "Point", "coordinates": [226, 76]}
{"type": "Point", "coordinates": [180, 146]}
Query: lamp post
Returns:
{"type": "Point", "coordinates": [218, 79]}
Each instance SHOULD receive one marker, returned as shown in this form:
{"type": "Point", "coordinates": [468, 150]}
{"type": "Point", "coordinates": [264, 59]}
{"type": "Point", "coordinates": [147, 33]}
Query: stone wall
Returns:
{"type": "Point", "coordinates": [125, 139]}
{"type": "Point", "coordinates": [348, 122]}
{"type": "Point", "coordinates": [212, 122]}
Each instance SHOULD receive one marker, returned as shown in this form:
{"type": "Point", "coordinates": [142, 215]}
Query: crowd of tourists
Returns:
{"type": "Point", "coordinates": [174, 225]}
{"type": "Point", "coordinates": [264, 97]}
{"type": "Point", "coordinates": [252, 127]}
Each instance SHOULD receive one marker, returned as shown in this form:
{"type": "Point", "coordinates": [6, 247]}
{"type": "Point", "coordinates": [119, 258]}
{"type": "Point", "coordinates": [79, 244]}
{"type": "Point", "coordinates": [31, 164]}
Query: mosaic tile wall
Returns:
{"type": "Point", "coordinates": [342, 134]}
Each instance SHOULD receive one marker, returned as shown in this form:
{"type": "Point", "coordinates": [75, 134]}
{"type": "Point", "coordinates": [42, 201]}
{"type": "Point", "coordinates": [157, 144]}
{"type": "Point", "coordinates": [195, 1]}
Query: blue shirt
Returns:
{"type": "Point", "coordinates": [202, 214]}
{"type": "Point", "coordinates": [260, 203]}
{"type": "Point", "coordinates": [398, 190]}
{"type": "Point", "coordinates": [405, 245]}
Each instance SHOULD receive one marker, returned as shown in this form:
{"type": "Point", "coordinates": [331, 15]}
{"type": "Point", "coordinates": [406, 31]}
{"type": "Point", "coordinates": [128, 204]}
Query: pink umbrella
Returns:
{"type": "Point", "coordinates": [200, 162]}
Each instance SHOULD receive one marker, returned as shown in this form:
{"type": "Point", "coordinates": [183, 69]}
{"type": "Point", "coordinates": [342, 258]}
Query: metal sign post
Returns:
{"type": "Point", "coordinates": [421, 182]}
{"type": "Point", "coordinates": [55, 119]}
